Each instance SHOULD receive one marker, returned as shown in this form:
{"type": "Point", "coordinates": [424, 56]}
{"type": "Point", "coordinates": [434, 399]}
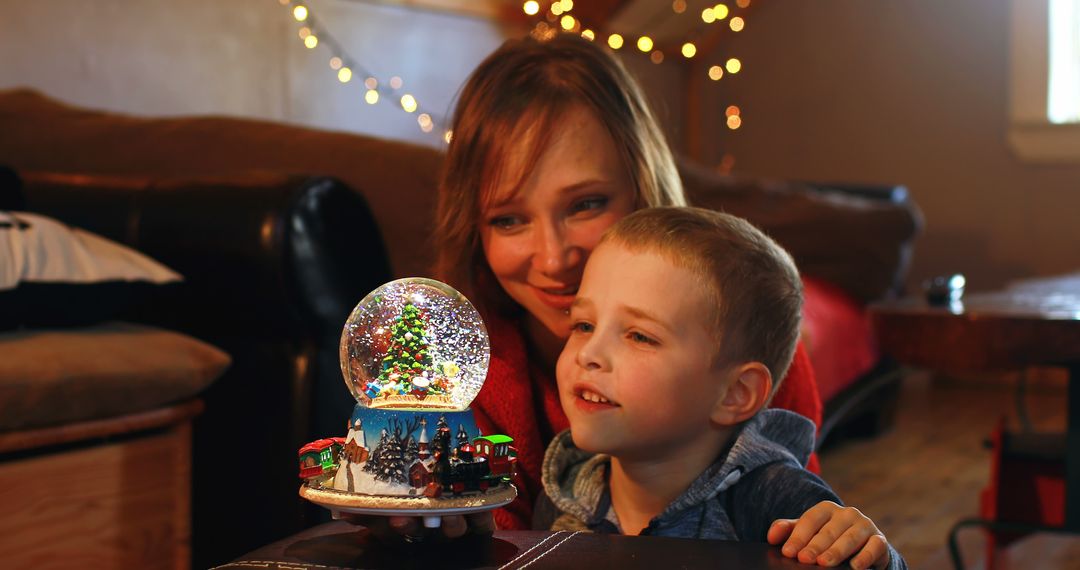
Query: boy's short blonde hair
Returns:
{"type": "Point", "coordinates": [754, 284]}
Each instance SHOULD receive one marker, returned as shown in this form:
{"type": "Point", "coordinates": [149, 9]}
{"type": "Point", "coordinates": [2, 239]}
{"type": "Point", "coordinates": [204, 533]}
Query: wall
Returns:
{"type": "Point", "coordinates": [241, 58]}
{"type": "Point", "coordinates": [911, 92]}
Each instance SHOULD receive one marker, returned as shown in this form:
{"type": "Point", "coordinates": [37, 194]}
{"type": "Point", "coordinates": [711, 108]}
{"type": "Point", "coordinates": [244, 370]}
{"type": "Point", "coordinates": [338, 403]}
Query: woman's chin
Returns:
{"type": "Point", "coordinates": [551, 323]}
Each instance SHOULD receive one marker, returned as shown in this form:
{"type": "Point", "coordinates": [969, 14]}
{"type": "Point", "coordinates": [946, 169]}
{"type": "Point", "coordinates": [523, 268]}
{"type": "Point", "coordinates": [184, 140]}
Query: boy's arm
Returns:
{"type": "Point", "coordinates": [781, 491]}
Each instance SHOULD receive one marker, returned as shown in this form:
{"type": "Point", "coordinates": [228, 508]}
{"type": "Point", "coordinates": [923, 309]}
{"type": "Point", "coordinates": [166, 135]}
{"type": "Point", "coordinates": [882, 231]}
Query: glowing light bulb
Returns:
{"type": "Point", "coordinates": [716, 72]}
{"type": "Point", "coordinates": [344, 75]}
{"type": "Point", "coordinates": [311, 41]}
{"type": "Point", "coordinates": [371, 97]}
{"type": "Point", "coordinates": [731, 110]}
{"type": "Point", "coordinates": [589, 35]}
{"type": "Point", "coordinates": [733, 65]}
{"type": "Point", "coordinates": [424, 120]}
{"type": "Point", "coordinates": [689, 50]}
{"type": "Point", "coordinates": [737, 24]}
{"type": "Point", "coordinates": [567, 22]}
{"type": "Point", "coordinates": [448, 136]}
{"type": "Point", "coordinates": [408, 102]}
{"type": "Point", "coordinates": [300, 13]}
{"type": "Point", "coordinates": [708, 16]}
{"type": "Point", "coordinates": [567, 5]}
{"type": "Point", "coordinates": [556, 9]}
{"type": "Point", "coordinates": [615, 41]}
{"type": "Point", "coordinates": [734, 122]}
{"type": "Point", "coordinates": [532, 7]}
{"type": "Point", "coordinates": [720, 11]}
{"type": "Point", "coordinates": [644, 43]}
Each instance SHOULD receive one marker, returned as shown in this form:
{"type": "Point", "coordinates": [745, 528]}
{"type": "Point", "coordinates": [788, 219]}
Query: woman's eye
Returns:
{"type": "Point", "coordinates": [587, 204]}
{"type": "Point", "coordinates": [638, 337]}
{"type": "Point", "coordinates": [504, 222]}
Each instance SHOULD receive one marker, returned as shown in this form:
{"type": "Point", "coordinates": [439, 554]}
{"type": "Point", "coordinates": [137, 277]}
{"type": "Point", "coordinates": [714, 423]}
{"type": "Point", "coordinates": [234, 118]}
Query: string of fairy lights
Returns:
{"type": "Point", "coordinates": [558, 18]}
{"type": "Point", "coordinates": [314, 34]}
{"type": "Point", "coordinates": [555, 19]}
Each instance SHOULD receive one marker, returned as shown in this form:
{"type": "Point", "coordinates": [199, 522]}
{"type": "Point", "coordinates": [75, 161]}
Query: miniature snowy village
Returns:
{"type": "Point", "coordinates": [414, 354]}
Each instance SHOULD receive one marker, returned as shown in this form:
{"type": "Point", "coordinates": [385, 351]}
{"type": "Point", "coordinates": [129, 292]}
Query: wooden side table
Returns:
{"type": "Point", "coordinates": [107, 493]}
{"type": "Point", "coordinates": [1031, 323]}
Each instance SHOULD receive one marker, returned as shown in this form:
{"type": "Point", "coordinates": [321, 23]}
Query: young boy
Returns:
{"type": "Point", "coordinates": [684, 322]}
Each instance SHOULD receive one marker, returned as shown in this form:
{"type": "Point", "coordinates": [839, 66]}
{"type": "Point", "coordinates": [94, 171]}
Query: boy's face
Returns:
{"type": "Point", "coordinates": [637, 376]}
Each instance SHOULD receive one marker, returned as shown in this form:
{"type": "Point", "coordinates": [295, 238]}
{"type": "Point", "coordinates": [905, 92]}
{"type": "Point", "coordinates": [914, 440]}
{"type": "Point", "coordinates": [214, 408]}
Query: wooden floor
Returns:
{"type": "Point", "coordinates": [918, 479]}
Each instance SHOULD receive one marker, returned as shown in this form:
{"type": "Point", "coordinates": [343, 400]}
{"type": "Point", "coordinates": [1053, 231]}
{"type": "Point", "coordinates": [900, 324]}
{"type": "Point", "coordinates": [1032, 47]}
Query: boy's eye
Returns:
{"type": "Point", "coordinates": [640, 338]}
{"type": "Point", "coordinates": [582, 327]}
{"type": "Point", "coordinates": [586, 204]}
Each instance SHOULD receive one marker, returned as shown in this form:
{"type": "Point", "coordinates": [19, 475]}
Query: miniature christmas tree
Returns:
{"type": "Point", "coordinates": [406, 371]}
{"type": "Point", "coordinates": [380, 458]}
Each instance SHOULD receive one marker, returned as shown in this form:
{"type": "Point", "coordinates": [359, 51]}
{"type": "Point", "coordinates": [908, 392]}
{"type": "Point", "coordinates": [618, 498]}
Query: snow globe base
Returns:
{"type": "Point", "coordinates": [385, 505]}
{"type": "Point", "coordinates": [411, 461]}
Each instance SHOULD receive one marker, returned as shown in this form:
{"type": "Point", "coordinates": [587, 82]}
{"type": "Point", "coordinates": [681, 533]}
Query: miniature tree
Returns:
{"type": "Point", "coordinates": [374, 463]}
{"type": "Point", "coordinates": [407, 356]}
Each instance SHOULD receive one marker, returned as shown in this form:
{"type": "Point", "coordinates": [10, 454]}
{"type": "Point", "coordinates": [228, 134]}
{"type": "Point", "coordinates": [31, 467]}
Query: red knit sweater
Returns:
{"type": "Point", "coordinates": [523, 402]}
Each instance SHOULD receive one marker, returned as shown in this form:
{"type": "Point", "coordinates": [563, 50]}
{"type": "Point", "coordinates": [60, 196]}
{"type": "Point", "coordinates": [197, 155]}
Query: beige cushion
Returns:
{"type": "Point", "coordinates": [57, 376]}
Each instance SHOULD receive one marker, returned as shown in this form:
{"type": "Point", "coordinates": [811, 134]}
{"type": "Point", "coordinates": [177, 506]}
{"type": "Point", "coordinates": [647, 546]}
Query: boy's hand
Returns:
{"type": "Point", "coordinates": [829, 534]}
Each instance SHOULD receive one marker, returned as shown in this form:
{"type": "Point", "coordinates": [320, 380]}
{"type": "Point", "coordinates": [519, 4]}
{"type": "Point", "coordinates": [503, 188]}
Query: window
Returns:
{"type": "Point", "coordinates": [1045, 80]}
{"type": "Point", "coordinates": [1063, 102]}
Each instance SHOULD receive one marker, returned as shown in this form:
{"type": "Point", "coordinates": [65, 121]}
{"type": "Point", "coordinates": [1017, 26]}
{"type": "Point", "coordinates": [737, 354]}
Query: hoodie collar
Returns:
{"type": "Point", "coordinates": [576, 481]}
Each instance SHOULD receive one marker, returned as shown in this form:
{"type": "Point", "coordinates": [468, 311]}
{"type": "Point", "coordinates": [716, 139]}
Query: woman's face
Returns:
{"type": "Point", "coordinates": [536, 239]}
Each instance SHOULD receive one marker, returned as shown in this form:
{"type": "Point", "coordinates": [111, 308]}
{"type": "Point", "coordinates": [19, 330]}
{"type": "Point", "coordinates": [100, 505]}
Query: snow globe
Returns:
{"type": "Point", "coordinates": [414, 354]}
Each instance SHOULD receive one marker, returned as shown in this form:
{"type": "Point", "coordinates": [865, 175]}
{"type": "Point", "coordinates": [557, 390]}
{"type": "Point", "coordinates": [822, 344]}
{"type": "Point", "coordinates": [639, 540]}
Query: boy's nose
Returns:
{"type": "Point", "coordinates": [593, 354]}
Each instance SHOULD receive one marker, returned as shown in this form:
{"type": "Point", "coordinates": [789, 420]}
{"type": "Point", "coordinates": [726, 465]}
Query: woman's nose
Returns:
{"type": "Point", "coordinates": [555, 253]}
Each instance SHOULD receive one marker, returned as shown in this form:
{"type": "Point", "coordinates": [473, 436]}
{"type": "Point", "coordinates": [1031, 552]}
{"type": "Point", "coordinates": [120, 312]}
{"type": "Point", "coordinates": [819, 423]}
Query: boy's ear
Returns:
{"type": "Point", "coordinates": [748, 388]}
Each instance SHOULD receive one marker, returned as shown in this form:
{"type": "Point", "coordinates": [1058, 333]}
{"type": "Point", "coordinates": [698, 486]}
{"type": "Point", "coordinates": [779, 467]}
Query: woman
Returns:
{"type": "Point", "coordinates": [552, 144]}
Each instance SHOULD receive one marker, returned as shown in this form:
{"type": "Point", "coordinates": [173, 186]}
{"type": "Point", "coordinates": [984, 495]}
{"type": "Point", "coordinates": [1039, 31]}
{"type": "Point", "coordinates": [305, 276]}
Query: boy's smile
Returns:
{"type": "Point", "coordinates": [638, 376]}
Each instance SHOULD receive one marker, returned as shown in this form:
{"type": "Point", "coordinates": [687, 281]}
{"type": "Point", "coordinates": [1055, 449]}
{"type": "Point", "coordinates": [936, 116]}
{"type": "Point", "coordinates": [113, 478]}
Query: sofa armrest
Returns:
{"type": "Point", "coordinates": [261, 254]}
{"type": "Point", "coordinates": [882, 193]}
{"type": "Point", "coordinates": [859, 238]}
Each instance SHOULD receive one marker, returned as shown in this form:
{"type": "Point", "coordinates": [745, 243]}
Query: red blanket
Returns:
{"type": "Point", "coordinates": [520, 401]}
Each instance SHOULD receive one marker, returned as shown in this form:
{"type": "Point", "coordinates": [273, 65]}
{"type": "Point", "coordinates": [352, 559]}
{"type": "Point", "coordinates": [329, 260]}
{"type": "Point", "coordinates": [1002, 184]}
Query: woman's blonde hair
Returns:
{"type": "Point", "coordinates": [524, 88]}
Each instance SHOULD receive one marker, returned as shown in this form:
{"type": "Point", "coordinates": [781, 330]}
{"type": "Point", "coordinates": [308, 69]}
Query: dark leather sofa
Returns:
{"type": "Point", "coordinates": [271, 265]}
{"type": "Point", "coordinates": [280, 230]}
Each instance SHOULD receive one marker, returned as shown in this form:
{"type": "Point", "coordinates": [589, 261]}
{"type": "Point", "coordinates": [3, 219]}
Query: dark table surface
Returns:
{"type": "Point", "coordinates": [1035, 322]}
{"type": "Point", "coordinates": [342, 545]}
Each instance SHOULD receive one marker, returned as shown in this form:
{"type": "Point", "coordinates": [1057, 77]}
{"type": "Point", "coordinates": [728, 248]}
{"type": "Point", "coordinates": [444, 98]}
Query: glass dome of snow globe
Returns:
{"type": "Point", "coordinates": [414, 344]}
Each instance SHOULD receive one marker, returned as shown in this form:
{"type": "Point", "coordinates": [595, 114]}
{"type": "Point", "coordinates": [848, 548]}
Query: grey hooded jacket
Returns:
{"type": "Point", "coordinates": [759, 478]}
